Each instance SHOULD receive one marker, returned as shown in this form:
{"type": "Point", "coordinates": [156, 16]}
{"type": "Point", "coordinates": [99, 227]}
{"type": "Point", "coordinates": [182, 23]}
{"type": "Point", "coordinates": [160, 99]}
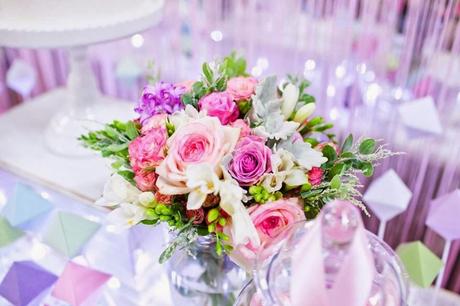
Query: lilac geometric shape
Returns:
{"type": "Point", "coordinates": [24, 282]}
{"type": "Point", "coordinates": [443, 217]}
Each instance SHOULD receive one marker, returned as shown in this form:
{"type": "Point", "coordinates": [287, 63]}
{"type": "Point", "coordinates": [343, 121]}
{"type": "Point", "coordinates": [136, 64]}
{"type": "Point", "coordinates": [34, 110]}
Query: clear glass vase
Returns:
{"type": "Point", "coordinates": [271, 284]}
{"type": "Point", "coordinates": [198, 276]}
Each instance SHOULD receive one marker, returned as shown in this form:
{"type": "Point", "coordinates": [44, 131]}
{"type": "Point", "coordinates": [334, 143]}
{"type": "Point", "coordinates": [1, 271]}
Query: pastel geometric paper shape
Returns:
{"type": "Point", "coordinates": [8, 234]}
{"type": "Point", "coordinates": [68, 233]}
{"type": "Point", "coordinates": [444, 214]}
{"type": "Point", "coordinates": [77, 283]}
{"type": "Point", "coordinates": [21, 77]}
{"type": "Point", "coordinates": [421, 264]}
{"type": "Point", "coordinates": [387, 196]}
{"type": "Point", "coordinates": [421, 115]}
{"type": "Point", "coordinates": [25, 205]}
{"type": "Point", "coordinates": [24, 282]}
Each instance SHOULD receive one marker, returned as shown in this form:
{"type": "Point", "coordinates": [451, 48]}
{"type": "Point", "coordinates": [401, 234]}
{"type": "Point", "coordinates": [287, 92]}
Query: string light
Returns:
{"type": "Point", "coordinates": [137, 40]}
{"type": "Point", "coordinates": [216, 35]}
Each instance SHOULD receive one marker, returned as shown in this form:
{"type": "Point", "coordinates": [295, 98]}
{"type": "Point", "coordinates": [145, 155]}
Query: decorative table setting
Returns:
{"type": "Point", "coordinates": [238, 180]}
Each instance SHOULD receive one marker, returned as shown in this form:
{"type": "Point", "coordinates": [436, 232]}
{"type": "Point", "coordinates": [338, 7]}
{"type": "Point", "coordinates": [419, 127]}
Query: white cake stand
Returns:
{"type": "Point", "coordinates": [83, 108]}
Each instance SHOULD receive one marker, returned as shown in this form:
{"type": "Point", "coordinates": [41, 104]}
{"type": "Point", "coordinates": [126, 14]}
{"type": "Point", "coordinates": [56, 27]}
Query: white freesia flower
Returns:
{"type": "Point", "coordinates": [117, 190]}
{"type": "Point", "coordinates": [202, 180]}
{"type": "Point", "coordinates": [146, 198]}
{"type": "Point", "coordinates": [242, 228]}
{"type": "Point", "coordinates": [290, 98]}
{"type": "Point", "coordinates": [284, 171]}
{"type": "Point", "coordinates": [126, 215]}
{"type": "Point", "coordinates": [304, 112]}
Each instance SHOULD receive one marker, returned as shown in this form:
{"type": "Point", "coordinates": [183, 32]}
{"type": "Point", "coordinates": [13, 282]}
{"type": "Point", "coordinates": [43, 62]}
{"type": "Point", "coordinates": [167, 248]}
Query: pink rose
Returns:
{"type": "Point", "coordinates": [203, 140]}
{"type": "Point", "coordinates": [154, 122]}
{"type": "Point", "coordinates": [197, 214]}
{"type": "Point", "coordinates": [315, 176]}
{"type": "Point", "coordinates": [145, 180]}
{"type": "Point", "coordinates": [245, 130]}
{"type": "Point", "coordinates": [187, 85]}
{"type": "Point", "coordinates": [271, 221]}
{"type": "Point", "coordinates": [250, 160]}
{"type": "Point", "coordinates": [147, 151]}
{"type": "Point", "coordinates": [220, 105]}
{"type": "Point", "coordinates": [241, 88]}
{"type": "Point", "coordinates": [163, 198]}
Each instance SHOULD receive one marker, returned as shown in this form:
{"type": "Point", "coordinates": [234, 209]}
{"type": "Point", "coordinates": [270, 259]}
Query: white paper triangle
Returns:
{"type": "Point", "coordinates": [421, 115]}
{"type": "Point", "coordinates": [387, 196]}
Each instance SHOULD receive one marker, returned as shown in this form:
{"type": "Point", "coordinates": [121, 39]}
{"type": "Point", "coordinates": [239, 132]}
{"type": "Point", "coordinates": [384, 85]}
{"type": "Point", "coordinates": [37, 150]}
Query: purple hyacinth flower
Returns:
{"type": "Point", "coordinates": [161, 98]}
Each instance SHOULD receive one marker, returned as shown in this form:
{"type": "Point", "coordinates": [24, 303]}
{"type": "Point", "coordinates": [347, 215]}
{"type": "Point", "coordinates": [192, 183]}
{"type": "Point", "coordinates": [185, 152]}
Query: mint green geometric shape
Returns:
{"type": "Point", "coordinates": [8, 234]}
{"type": "Point", "coordinates": [68, 233]}
{"type": "Point", "coordinates": [421, 264]}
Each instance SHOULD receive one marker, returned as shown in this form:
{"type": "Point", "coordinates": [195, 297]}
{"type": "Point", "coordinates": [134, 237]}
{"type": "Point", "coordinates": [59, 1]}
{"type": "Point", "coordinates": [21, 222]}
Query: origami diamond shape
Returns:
{"type": "Point", "coordinates": [68, 233]}
{"type": "Point", "coordinates": [8, 234]}
{"type": "Point", "coordinates": [387, 196]}
{"type": "Point", "coordinates": [24, 282]}
{"type": "Point", "coordinates": [443, 215]}
{"type": "Point", "coordinates": [421, 115]}
{"type": "Point", "coordinates": [25, 205]}
{"type": "Point", "coordinates": [421, 264]}
{"type": "Point", "coordinates": [77, 283]}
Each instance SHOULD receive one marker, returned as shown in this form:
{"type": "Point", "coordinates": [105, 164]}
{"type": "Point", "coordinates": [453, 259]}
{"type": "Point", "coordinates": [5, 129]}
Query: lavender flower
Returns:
{"type": "Point", "coordinates": [160, 98]}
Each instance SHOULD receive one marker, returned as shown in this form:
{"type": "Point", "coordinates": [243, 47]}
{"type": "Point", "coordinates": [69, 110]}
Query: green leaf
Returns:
{"type": "Point", "coordinates": [323, 127]}
{"type": "Point", "coordinates": [149, 222]}
{"type": "Point", "coordinates": [310, 193]}
{"type": "Point", "coordinates": [117, 147]}
{"type": "Point", "coordinates": [336, 182]}
{"type": "Point", "coordinates": [131, 130]}
{"type": "Point", "coordinates": [208, 73]}
{"type": "Point", "coordinates": [348, 143]}
{"type": "Point", "coordinates": [312, 141]}
{"type": "Point", "coordinates": [347, 155]}
{"type": "Point", "coordinates": [368, 169]}
{"type": "Point", "coordinates": [337, 169]}
{"type": "Point", "coordinates": [127, 174]}
{"type": "Point", "coordinates": [315, 121]}
{"type": "Point", "coordinates": [367, 146]}
{"type": "Point", "coordinates": [330, 153]}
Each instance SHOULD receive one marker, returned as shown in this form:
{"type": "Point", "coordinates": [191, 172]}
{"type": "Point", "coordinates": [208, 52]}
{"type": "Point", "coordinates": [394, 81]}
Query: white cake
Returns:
{"type": "Point", "coordinates": [60, 23]}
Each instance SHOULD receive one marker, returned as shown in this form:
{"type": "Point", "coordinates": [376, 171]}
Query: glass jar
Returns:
{"type": "Point", "coordinates": [198, 276]}
{"type": "Point", "coordinates": [271, 285]}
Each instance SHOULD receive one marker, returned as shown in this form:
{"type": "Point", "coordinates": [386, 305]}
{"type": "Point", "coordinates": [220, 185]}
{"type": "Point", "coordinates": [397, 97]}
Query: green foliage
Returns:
{"type": "Point", "coordinates": [233, 66]}
{"type": "Point", "coordinates": [215, 77]}
{"type": "Point", "coordinates": [112, 142]}
{"type": "Point", "coordinates": [340, 180]}
{"type": "Point", "coordinates": [317, 125]}
{"type": "Point", "coordinates": [367, 146]}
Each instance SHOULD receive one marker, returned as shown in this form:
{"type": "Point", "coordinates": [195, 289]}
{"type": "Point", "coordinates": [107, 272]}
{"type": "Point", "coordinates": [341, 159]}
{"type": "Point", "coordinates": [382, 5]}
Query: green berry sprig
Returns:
{"type": "Point", "coordinates": [261, 195]}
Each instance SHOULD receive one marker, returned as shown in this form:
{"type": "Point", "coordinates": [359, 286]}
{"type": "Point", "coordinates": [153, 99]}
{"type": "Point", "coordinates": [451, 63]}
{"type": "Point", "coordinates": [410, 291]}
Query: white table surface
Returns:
{"type": "Point", "coordinates": [23, 151]}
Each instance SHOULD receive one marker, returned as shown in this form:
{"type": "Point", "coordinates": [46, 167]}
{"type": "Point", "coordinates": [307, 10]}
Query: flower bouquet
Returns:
{"type": "Point", "coordinates": [228, 156]}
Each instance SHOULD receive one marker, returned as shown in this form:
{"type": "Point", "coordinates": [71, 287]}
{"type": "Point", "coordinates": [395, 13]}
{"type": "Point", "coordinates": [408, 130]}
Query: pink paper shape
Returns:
{"type": "Point", "coordinates": [353, 283]}
{"type": "Point", "coordinates": [77, 283]}
{"type": "Point", "coordinates": [443, 217]}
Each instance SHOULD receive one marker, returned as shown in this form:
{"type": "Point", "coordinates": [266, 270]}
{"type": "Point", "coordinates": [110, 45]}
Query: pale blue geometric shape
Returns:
{"type": "Point", "coordinates": [25, 205]}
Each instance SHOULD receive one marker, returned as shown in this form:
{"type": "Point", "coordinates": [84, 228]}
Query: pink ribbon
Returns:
{"type": "Point", "coordinates": [352, 284]}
